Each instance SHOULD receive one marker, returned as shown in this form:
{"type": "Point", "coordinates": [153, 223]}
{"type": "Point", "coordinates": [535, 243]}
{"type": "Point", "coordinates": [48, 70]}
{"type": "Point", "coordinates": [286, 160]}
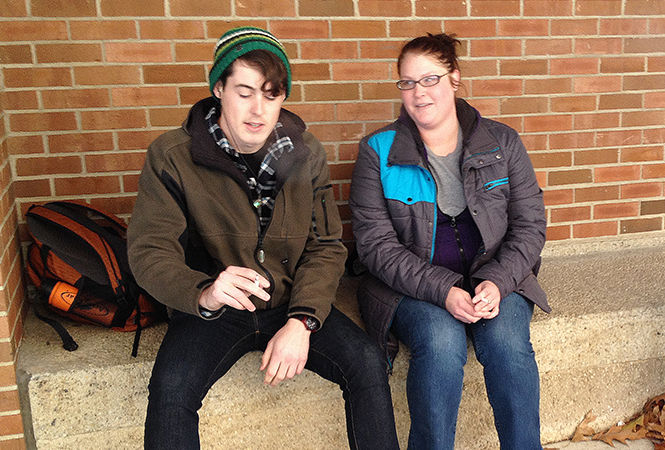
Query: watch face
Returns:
{"type": "Point", "coordinates": [311, 323]}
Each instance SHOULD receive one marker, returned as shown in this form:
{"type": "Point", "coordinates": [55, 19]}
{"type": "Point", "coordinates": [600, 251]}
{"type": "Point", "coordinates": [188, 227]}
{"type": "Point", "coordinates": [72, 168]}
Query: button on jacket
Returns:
{"type": "Point", "coordinates": [393, 204]}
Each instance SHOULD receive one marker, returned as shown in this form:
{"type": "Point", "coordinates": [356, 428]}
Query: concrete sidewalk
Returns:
{"type": "Point", "coordinates": [642, 444]}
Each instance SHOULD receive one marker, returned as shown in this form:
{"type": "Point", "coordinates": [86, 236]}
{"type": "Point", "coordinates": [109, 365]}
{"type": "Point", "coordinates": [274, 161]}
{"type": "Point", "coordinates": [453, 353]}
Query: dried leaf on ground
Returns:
{"type": "Point", "coordinates": [583, 432]}
{"type": "Point", "coordinates": [621, 434]}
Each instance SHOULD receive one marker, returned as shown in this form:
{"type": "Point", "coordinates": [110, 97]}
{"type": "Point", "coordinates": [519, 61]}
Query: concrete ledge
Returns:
{"type": "Point", "coordinates": [603, 348]}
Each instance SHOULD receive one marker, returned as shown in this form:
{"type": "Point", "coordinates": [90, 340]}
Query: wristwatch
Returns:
{"type": "Point", "coordinates": [310, 322]}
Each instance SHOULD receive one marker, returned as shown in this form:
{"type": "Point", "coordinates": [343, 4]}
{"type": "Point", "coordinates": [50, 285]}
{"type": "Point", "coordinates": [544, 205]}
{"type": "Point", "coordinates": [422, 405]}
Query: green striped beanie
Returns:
{"type": "Point", "coordinates": [238, 41]}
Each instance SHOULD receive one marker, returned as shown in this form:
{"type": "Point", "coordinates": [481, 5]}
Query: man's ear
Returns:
{"type": "Point", "coordinates": [218, 89]}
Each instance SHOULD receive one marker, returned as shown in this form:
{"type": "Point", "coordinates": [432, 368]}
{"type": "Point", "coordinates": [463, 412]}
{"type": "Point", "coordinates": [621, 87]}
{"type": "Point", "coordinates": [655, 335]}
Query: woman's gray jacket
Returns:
{"type": "Point", "coordinates": [393, 205]}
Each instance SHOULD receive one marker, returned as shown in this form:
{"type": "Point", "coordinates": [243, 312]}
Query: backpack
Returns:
{"type": "Point", "coordinates": [80, 268]}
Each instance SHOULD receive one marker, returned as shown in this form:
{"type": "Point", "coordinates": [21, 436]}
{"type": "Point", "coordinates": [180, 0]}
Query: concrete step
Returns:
{"type": "Point", "coordinates": [603, 348]}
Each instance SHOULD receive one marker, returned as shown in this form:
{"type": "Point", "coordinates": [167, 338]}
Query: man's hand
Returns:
{"type": "Point", "coordinates": [286, 353]}
{"type": "Point", "coordinates": [233, 287]}
{"type": "Point", "coordinates": [487, 299]}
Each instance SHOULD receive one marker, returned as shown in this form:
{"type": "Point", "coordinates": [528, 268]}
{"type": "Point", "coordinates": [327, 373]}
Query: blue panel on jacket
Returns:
{"type": "Point", "coordinates": [407, 184]}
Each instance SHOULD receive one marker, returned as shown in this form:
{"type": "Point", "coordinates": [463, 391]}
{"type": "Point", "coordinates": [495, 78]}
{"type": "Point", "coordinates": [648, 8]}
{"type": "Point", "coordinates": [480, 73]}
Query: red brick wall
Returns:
{"type": "Point", "coordinates": [89, 83]}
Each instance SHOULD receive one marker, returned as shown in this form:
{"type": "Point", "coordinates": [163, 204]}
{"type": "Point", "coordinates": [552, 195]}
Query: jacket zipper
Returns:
{"type": "Point", "coordinates": [259, 253]}
{"type": "Point", "coordinates": [325, 215]}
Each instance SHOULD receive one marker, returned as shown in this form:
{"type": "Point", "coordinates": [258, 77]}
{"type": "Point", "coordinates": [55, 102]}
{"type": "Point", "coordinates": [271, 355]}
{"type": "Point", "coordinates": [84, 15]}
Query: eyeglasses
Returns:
{"type": "Point", "coordinates": [429, 80]}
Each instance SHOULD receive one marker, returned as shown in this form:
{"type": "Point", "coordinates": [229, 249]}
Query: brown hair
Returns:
{"type": "Point", "coordinates": [269, 65]}
{"type": "Point", "coordinates": [441, 46]}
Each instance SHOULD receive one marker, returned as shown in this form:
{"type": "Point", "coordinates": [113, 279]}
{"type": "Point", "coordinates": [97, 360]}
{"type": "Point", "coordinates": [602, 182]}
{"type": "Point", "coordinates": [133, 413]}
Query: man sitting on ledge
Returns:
{"type": "Point", "coordinates": [235, 229]}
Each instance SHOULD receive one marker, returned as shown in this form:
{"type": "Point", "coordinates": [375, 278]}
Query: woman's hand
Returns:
{"type": "Point", "coordinates": [460, 306]}
{"type": "Point", "coordinates": [487, 299]}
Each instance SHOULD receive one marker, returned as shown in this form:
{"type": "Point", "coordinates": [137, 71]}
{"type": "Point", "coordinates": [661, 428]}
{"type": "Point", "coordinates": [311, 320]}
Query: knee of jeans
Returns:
{"type": "Point", "coordinates": [170, 388]}
{"type": "Point", "coordinates": [513, 348]}
{"type": "Point", "coordinates": [439, 343]}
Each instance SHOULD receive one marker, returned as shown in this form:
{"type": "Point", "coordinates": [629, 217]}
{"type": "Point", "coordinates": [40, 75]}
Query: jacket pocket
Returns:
{"type": "Point", "coordinates": [323, 213]}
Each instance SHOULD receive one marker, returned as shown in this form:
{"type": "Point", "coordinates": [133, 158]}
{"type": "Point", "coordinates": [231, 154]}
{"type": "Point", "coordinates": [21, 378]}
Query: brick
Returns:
{"type": "Point", "coordinates": [364, 111]}
{"type": "Point", "coordinates": [42, 121]}
{"type": "Point", "coordinates": [493, 88]}
{"type": "Point", "coordinates": [574, 27]}
{"type": "Point", "coordinates": [637, 154]}
{"type": "Point", "coordinates": [598, 46]}
{"type": "Point", "coordinates": [311, 71]}
{"type": "Point", "coordinates": [558, 233]}
{"type": "Point", "coordinates": [193, 51]}
{"type": "Point", "coordinates": [643, 82]}
{"type": "Point", "coordinates": [523, 105]}
{"type": "Point", "coordinates": [644, 45]}
{"type": "Point", "coordinates": [444, 8]}
{"type": "Point", "coordinates": [641, 225]}
{"type": "Point", "coordinates": [325, 9]}
{"type": "Point", "coordinates": [48, 165]}
{"type": "Point", "coordinates": [642, 190]}
{"type": "Point", "coordinates": [657, 25]}
{"type": "Point", "coordinates": [7, 376]}
{"type": "Point", "coordinates": [132, 140]}
{"type": "Point", "coordinates": [548, 47]}
{"type": "Point", "coordinates": [523, 67]}
{"type": "Point", "coordinates": [87, 185]}
{"type": "Point", "coordinates": [600, 156]}
{"type": "Point", "coordinates": [598, 229]}
{"type": "Point", "coordinates": [574, 66]}
{"type": "Point", "coordinates": [471, 28]}
{"type": "Point", "coordinates": [130, 183]}
{"type": "Point", "coordinates": [17, 100]}
{"type": "Point", "coordinates": [486, 106]}
{"type": "Point", "coordinates": [167, 117]}
{"type": "Point", "coordinates": [544, 160]}
{"type": "Point", "coordinates": [573, 104]}
{"type": "Point", "coordinates": [315, 112]}
{"type": "Point", "coordinates": [534, 142]}
{"type": "Point", "coordinates": [191, 95]}
{"type": "Point", "coordinates": [654, 100]}
{"type": "Point", "coordinates": [334, 132]}
{"type": "Point", "coordinates": [57, 53]}
{"type": "Point", "coordinates": [548, 8]}
{"type": "Point", "coordinates": [615, 210]}
{"type": "Point", "coordinates": [572, 214]}
{"type": "Point", "coordinates": [478, 68]}
{"type": "Point", "coordinates": [576, 176]}
{"type": "Point", "coordinates": [500, 8]}
{"type": "Point", "coordinates": [142, 8]}
{"type": "Point", "coordinates": [118, 162]}
{"type": "Point", "coordinates": [654, 136]}
{"type": "Point", "coordinates": [348, 152]}
{"type": "Point", "coordinates": [176, 73]}
{"type": "Point", "coordinates": [102, 29]}
{"type": "Point", "coordinates": [384, 8]}
{"type": "Point", "coordinates": [107, 75]}
{"type": "Point", "coordinates": [624, 26]}
{"type": "Point", "coordinates": [75, 98]}
{"type": "Point", "coordinates": [115, 205]}
{"type": "Point", "coordinates": [216, 8]}
{"type": "Point", "coordinates": [514, 122]}
{"type": "Point", "coordinates": [408, 29]}
{"type": "Point", "coordinates": [360, 71]}
{"type": "Point", "coordinates": [15, 54]}
{"type": "Point", "coordinates": [341, 171]}
{"type": "Point", "coordinates": [13, 9]}
{"type": "Point", "coordinates": [331, 92]}
{"type": "Point", "coordinates": [137, 52]}
{"type": "Point", "coordinates": [63, 8]}
{"type": "Point", "coordinates": [113, 119]}
{"type": "Point", "coordinates": [596, 121]}
{"type": "Point", "coordinates": [334, 49]}
{"type": "Point", "coordinates": [358, 28]}
{"type": "Point", "coordinates": [642, 118]}
{"type": "Point", "coordinates": [37, 76]}
{"type": "Point", "coordinates": [558, 196]}
{"type": "Point", "coordinates": [496, 47]}
{"type": "Point", "coordinates": [300, 29]}
{"type": "Point", "coordinates": [597, 84]}
{"type": "Point", "coordinates": [559, 122]}
{"type": "Point", "coordinates": [11, 424]}
{"type": "Point", "coordinates": [596, 193]}
{"type": "Point", "coordinates": [379, 91]}
{"type": "Point", "coordinates": [380, 49]}
{"type": "Point", "coordinates": [173, 29]}
{"type": "Point", "coordinates": [80, 142]}
{"type": "Point", "coordinates": [9, 401]}
{"type": "Point", "coordinates": [32, 188]}
{"type": "Point", "coordinates": [523, 27]}
{"type": "Point", "coordinates": [652, 207]}
{"type": "Point", "coordinates": [619, 173]}
{"type": "Point", "coordinates": [21, 145]}
{"type": "Point", "coordinates": [216, 28]}
{"type": "Point", "coordinates": [144, 96]}
{"type": "Point", "coordinates": [645, 7]}
{"type": "Point", "coordinates": [548, 86]}
{"type": "Point", "coordinates": [598, 7]}
{"type": "Point", "coordinates": [622, 64]}
{"type": "Point", "coordinates": [620, 101]}
{"type": "Point", "coordinates": [619, 138]}
{"type": "Point", "coordinates": [653, 171]}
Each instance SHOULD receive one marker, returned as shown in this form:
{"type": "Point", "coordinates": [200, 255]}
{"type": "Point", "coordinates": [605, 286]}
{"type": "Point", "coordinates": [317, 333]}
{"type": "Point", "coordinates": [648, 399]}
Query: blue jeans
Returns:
{"type": "Point", "coordinates": [195, 353]}
{"type": "Point", "coordinates": [437, 342]}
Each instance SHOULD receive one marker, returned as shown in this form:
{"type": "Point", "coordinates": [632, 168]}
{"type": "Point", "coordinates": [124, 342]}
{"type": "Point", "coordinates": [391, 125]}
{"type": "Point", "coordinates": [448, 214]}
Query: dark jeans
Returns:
{"type": "Point", "coordinates": [195, 353]}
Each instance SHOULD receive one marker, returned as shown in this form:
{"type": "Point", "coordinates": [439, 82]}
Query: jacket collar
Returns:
{"type": "Point", "coordinates": [205, 152]}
